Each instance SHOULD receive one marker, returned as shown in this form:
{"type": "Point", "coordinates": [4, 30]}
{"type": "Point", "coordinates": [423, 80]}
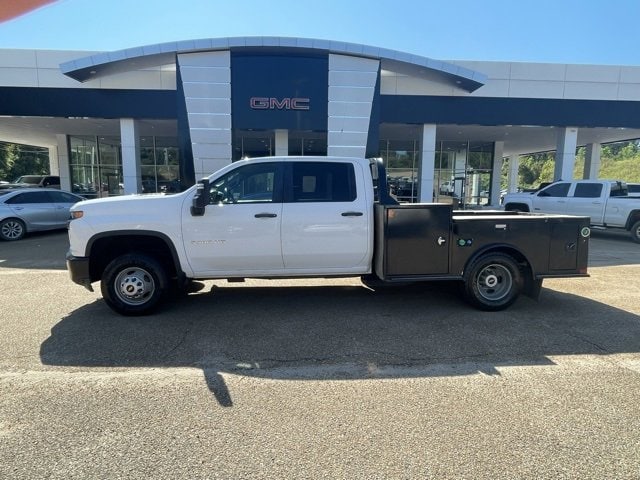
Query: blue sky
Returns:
{"type": "Point", "coordinates": [556, 31]}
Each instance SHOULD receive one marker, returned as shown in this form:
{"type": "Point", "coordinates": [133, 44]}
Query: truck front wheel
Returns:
{"type": "Point", "coordinates": [635, 232]}
{"type": "Point", "coordinates": [492, 282]}
{"type": "Point", "coordinates": [133, 284]}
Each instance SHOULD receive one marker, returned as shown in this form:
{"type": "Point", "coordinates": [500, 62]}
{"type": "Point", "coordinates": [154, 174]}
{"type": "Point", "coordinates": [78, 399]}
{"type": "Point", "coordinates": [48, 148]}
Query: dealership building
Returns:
{"type": "Point", "coordinates": [159, 117]}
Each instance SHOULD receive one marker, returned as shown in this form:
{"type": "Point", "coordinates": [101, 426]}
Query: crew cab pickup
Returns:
{"type": "Point", "coordinates": [605, 202]}
{"type": "Point", "coordinates": [312, 217]}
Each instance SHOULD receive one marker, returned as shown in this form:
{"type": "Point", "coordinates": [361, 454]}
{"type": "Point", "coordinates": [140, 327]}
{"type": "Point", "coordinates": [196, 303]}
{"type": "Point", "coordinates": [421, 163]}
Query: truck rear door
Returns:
{"type": "Point", "coordinates": [326, 218]}
{"type": "Point", "coordinates": [587, 200]}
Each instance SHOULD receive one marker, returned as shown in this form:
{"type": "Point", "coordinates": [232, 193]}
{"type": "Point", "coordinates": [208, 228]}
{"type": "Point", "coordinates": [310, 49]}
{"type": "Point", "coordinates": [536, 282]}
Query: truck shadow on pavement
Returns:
{"type": "Point", "coordinates": [339, 332]}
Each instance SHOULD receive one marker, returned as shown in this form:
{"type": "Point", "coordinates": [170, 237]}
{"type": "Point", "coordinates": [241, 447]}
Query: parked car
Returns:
{"type": "Point", "coordinates": [26, 210]}
{"type": "Point", "coordinates": [30, 181]}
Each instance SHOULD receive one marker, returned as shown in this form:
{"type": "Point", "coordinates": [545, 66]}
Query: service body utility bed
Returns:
{"type": "Point", "coordinates": [282, 217]}
{"type": "Point", "coordinates": [421, 241]}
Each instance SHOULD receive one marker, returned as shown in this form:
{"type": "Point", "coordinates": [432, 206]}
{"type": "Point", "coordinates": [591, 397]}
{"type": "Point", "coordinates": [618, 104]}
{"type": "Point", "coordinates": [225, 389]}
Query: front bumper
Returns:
{"type": "Point", "coordinates": [78, 268]}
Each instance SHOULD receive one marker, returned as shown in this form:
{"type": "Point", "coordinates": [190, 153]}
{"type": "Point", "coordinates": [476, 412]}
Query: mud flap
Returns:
{"type": "Point", "coordinates": [532, 287]}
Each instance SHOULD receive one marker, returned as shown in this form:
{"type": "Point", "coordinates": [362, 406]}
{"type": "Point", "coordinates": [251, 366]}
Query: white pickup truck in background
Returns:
{"type": "Point", "coordinates": [606, 202]}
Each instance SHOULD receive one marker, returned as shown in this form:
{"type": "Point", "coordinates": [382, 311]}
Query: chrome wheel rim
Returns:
{"type": "Point", "coordinates": [134, 286]}
{"type": "Point", "coordinates": [494, 282]}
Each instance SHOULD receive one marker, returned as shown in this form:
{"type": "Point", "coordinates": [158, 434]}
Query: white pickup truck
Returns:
{"type": "Point", "coordinates": [605, 202]}
{"type": "Point", "coordinates": [312, 217]}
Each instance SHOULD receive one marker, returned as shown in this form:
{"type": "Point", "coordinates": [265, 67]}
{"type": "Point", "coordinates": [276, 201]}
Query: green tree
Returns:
{"type": "Point", "coordinates": [17, 160]}
{"type": "Point", "coordinates": [535, 168]}
{"type": "Point", "coordinates": [618, 161]}
{"type": "Point", "coordinates": [9, 155]}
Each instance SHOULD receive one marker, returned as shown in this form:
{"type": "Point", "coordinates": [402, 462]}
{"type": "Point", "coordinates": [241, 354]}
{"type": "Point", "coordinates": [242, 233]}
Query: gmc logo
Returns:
{"type": "Point", "coordinates": [266, 103]}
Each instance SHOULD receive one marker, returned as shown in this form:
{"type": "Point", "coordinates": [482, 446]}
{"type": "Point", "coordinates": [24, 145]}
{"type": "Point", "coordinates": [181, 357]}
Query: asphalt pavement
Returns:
{"type": "Point", "coordinates": [319, 378]}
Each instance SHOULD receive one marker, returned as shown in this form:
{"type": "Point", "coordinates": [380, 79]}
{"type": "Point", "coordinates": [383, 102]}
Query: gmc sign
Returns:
{"type": "Point", "coordinates": [272, 103]}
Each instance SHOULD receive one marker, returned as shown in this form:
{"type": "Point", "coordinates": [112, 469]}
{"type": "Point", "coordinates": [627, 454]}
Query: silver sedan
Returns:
{"type": "Point", "coordinates": [31, 210]}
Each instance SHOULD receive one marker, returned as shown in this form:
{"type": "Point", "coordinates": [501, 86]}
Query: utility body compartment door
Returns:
{"type": "Point", "coordinates": [412, 240]}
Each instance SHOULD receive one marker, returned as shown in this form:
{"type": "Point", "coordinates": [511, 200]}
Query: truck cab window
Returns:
{"type": "Point", "coordinates": [555, 190]}
{"type": "Point", "coordinates": [247, 184]}
{"type": "Point", "coordinates": [619, 189]}
{"type": "Point", "coordinates": [323, 182]}
{"type": "Point", "coordinates": [588, 190]}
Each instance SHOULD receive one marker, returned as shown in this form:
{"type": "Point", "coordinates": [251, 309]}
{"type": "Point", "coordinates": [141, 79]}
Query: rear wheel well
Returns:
{"type": "Point", "coordinates": [634, 216]}
{"type": "Point", "coordinates": [105, 249]}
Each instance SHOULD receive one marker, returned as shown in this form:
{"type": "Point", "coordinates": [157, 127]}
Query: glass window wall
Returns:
{"type": "Point", "coordinates": [253, 143]}
{"type": "Point", "coordinates": [462, 169]}
{"type": "Point", "coordinates": [401, 159]}
{"type": "Point", "coordinates": [462, 173]}
{"type": "Point", "coordinates": [307, 143]}
{"type": "Point", "coordinates": [159, 164]}
{"type": "Point", "coordinates": [95, 164]}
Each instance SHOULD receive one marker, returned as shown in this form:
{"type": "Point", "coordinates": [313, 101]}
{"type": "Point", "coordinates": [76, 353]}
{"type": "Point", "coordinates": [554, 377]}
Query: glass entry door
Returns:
{"type": "Point", "coordinates": [463, 173]}
{"type": "Point", "coordinates": [401, 158]}
{"type": "Point", "coordinates": [253, 143]}
{"type": "Point", "coordinates": [262, 143]}
{"type": "Point", "coordinates": [307, 143]}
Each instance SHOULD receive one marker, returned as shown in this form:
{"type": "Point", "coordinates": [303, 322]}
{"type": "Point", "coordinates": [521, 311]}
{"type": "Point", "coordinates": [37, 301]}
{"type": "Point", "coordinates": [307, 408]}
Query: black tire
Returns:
{"type": "Point", "coordinates": [12, 229]}
{"type": "Point", "coordinates": [133, 284]}
{"type": "Point", "coordinates": [492, 282]}
{"type": "Point", "coordinates": [635, 232]}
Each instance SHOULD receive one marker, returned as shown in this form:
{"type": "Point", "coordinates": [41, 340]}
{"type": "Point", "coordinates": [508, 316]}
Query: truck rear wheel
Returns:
{"type": "Point", "coordinates": [133, 284]}
{"type": "Point", "coordinates": [492, 282]}
{"type": "Point", "coordinates": [635, 232]}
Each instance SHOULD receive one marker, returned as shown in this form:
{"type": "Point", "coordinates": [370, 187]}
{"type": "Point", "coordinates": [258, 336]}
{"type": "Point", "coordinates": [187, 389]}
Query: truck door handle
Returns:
{"type": "Point", "coordinates": [265, 215]}
{"type": "Point", "coordinates": [352, 214]}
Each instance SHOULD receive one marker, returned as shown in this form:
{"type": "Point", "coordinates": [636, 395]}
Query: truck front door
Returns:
{"type": "Point", "coordinates": [326, 218]}
{"type": "Point", "coordinates": [552, 199]}
{"type": "Point", "coordinates": [239, 233]}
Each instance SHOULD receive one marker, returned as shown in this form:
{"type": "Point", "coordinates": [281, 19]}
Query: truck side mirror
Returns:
{"type": "Point", "coordinates": [201, 198]}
